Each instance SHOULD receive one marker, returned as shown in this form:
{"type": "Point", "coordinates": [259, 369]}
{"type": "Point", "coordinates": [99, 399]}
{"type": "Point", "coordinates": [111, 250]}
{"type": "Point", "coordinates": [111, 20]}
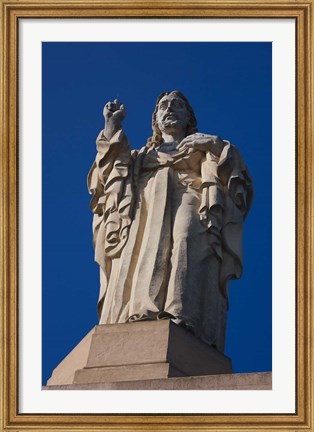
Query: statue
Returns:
{"type": "Point", "coordinates": [167, 226]}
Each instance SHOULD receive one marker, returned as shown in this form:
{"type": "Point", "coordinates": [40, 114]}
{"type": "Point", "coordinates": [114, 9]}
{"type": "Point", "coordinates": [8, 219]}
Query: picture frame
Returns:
{"type": "Point", "coordinates": [302, 13]}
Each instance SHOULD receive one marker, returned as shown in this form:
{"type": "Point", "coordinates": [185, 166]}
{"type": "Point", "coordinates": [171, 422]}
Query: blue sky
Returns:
{"type": "Point", "coordinates": [229, 86]}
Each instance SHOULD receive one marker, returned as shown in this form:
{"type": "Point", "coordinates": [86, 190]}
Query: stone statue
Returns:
{"type": "Point", "coordinates": [168, 221]}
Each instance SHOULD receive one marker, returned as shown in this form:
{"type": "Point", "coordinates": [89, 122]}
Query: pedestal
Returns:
{"type": "Point", "coordinates": [241, 381]}
{"type": "Point", "coordinates": [145, 350]}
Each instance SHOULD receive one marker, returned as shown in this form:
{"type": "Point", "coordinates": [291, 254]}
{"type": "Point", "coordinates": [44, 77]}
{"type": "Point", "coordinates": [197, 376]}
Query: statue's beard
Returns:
{"type": "Point", "coordinates": [172, 123]}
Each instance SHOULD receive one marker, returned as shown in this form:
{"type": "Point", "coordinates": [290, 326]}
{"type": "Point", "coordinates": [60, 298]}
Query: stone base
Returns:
{"type": "Point", "coordinates": [146, 350]}
{"type": "Point", "coordinates": [249, 381]}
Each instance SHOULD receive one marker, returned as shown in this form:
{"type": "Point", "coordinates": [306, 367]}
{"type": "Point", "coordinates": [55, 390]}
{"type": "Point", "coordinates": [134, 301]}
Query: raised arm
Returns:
{"type": "Point", "coordinates": [113, 159]}
{"type": "Point", "coordinates": [110, 184]}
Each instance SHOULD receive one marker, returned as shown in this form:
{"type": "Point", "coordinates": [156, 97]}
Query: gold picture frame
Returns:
{"type": "Point", "coordinates": [299, 10]}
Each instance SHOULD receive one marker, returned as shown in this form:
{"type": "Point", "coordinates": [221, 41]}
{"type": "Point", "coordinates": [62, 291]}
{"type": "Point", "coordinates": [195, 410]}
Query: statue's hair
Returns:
{"type": "Point", "coordinates": [191, 128]}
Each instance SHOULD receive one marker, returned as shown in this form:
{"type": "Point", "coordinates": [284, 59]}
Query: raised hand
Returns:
{"type": "Point", "coordinates": [114, 113]}
{"type": "Point", "coordinates": [202, 142]}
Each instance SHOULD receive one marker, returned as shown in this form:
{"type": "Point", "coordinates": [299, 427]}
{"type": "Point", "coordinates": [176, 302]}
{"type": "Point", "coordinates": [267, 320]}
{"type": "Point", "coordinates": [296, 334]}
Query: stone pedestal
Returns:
{"type": "Point", "coordinates": [242, 381]}
{"type": "Point", "coordinates": [146, 350]}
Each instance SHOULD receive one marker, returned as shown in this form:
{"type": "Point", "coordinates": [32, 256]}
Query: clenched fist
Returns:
{"type": "Point", "coordinates": [114, 113]}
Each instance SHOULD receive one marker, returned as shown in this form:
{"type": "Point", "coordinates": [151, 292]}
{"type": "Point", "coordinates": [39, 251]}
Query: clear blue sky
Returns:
{"type": "Point", "coordinates": [229, 87]}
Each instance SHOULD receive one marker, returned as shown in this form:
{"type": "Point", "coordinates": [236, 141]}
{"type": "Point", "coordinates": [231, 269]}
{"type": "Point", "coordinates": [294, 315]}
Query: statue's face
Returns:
{"type": "Point", "coordinates": [172, 113]}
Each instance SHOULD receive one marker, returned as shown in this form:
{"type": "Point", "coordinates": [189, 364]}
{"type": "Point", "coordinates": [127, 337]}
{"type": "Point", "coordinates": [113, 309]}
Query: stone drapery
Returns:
{"type": "Point", "coordinates": [168, 233]}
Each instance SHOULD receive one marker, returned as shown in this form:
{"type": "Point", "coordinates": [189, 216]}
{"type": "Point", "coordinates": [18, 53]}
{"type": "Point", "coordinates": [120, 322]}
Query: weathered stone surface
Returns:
{"type": "Point", "coordinates": [250, 381]}
{"type": "Point", "coordinates": [126, 373]}
{"type": "Point", "coordinates": [137, 351]}
{"type": "Point", "coordinates": [132, 343]}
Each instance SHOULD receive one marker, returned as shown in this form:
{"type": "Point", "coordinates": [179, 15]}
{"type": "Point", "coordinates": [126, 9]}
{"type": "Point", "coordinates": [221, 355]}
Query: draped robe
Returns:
{"type": "Point", "coordinates": [168, 233]}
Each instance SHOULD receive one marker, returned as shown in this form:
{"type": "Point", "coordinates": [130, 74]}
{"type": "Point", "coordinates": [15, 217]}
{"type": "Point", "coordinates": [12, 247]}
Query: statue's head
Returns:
{"type": "Point", "coordinates": [172, 111]}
